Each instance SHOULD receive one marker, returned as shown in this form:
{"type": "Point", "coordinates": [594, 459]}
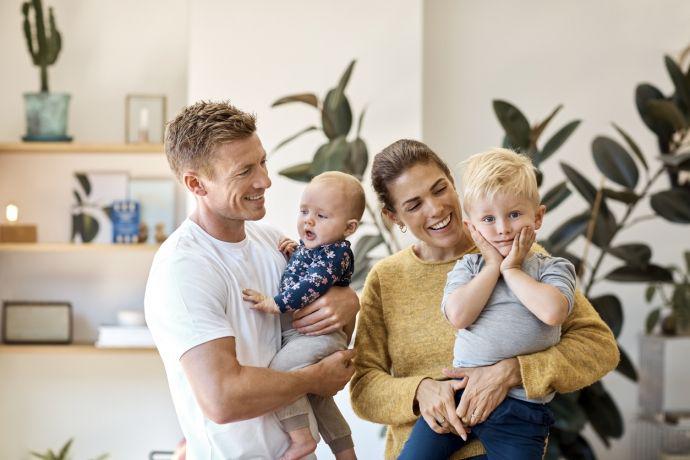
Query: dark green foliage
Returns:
{"type": "Point", "coordinates": [44, 45]}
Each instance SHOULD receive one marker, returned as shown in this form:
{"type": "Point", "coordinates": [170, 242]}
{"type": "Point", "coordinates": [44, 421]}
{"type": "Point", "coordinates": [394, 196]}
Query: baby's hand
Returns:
{"type": "Point", "coordinates": [287, 247]}
{"type": "Point", "coordinates": [522, 243]}
{"type": "Point", "coordinates": [261, 302]}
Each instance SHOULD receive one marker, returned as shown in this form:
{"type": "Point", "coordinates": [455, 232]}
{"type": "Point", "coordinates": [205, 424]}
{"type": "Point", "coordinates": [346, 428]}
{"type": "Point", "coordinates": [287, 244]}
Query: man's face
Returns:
{"type": "Point", "coordinates": [236, 191]}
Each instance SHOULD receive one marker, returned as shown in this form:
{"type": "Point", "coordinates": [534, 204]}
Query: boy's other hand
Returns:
{"type": "Point", "coordinates": [489, 253]}
{"type": "Point", "coordinates": [287, 246]}
{"type": "Point", "coordinates": [261, 302]}
{"type": "Point", "coordinates": [522, 243]}
{"type": "Point", "coordinates": [333, 372]}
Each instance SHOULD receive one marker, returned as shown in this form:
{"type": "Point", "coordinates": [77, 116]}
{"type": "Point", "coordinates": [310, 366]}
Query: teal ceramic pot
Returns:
{"type": "Point", "coordinates": [46, 117]}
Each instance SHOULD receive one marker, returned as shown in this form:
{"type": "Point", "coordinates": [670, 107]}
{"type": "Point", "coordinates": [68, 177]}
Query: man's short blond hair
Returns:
{"type": "Point", "coordinates": [498, 171]}
{"type": "Point", "coordinates": [350, 186]}
{"type": "Point", "coordinates": [193, 136]}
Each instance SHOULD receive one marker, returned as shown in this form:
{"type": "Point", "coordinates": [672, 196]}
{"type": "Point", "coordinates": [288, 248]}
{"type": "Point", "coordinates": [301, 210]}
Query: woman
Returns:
{"type": "Point", "coordinates": [403, 342]}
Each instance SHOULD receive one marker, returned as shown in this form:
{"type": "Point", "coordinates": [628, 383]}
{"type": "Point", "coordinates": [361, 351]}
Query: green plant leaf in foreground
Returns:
{"type": "Point", "coordinates": [614, 162]}
{"type": "Point", "coordinates": [673, 205]}
{"type": "Point", "coordinates": [299, 172]}
{"type": "Point", "coordinates": [635, 274]}
{"type": "Point", "coordinates": [514, 123]}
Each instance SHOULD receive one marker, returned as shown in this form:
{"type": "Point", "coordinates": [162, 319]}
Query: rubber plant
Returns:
{"type": "Point", "coordinates": [627, 180]}
{"type": "Point", "coordinates": [337, 153]}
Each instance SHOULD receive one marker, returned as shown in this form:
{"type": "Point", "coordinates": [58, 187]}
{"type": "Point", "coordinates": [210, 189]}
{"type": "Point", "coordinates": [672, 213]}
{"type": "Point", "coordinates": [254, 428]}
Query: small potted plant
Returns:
{"type": "Point", "coordinates": [673, 315]}
{"type": "Point", "coordinates": [46, 112]}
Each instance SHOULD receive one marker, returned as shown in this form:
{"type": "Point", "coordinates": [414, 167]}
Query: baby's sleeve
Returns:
{"type": "Point", "coordinates": [559, 273]}
{"type": "Point", "coordinates": [462, 273]}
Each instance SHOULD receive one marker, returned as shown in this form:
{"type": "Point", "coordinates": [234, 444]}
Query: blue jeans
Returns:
{"type": "Point", "coordinates": [515, 430]}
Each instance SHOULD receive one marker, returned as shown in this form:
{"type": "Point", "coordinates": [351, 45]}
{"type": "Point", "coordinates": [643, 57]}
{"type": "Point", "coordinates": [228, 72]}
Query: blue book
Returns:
{"type": "Point", "coordinates": [125, 216]}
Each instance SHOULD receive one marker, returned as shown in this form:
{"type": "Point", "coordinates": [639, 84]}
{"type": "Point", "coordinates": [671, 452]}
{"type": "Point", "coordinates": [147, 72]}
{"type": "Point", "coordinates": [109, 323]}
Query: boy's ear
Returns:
{"type": "Point", "coordinates": [351, 227]}
{"type": "Point", "coordinates": [539, 216]}
{"type": "Point", "coordinates": [193, 183]}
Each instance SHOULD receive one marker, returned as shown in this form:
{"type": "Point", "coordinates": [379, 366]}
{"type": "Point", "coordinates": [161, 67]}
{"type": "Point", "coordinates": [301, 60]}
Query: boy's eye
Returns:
{"type": "Point", "coordinates": [488, 219]}
{"type": "Point", "coordinates": [514, 214]}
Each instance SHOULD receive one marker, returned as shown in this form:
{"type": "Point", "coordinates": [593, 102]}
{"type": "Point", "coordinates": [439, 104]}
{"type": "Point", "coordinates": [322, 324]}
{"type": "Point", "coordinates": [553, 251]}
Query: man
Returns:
{"type": "Point", "coordinates": [214, 347]}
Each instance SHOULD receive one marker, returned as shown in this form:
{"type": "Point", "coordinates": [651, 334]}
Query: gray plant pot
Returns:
{"type": "Point", "coordinates": [46, 117]}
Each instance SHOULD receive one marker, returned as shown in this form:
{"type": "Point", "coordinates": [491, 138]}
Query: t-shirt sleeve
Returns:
{"type": "Point", "coordinates": [192, 301]}
{"type": "Point", "coordinates": [462, 273]}
{"type": "Point", "coordinates": [559, 273]}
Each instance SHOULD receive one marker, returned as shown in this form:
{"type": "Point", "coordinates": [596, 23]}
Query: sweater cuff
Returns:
{"type": "Point", "coordinates": [533, 376]}
{"type": "Point", "coordinates": [408, 387]}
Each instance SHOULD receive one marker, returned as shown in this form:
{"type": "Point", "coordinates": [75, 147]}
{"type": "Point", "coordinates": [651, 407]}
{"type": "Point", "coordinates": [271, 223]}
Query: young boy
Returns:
{"type": "Point", "coordinates": [506, 301]}
{"type": "Point", "coordinates": [330, 210]}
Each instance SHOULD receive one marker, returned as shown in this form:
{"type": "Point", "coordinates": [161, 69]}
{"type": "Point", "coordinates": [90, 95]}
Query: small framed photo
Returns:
{"type": "Point", "coordinates": [160, 201]}
{"type": "Point", "coordinates": [145, 116]}
{"type": "Point", "coordinates": [37, 322]}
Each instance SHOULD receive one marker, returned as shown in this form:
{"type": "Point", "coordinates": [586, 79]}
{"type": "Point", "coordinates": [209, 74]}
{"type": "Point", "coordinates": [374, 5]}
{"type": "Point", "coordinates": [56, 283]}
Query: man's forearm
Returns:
{"type": "Point", "coordinates": [545, 301]}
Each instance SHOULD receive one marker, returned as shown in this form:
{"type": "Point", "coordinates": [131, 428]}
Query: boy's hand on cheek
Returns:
{"type": "Point", "coordinates": [489, 253]}
{"type": "Point", "coordinates": [522, 243]}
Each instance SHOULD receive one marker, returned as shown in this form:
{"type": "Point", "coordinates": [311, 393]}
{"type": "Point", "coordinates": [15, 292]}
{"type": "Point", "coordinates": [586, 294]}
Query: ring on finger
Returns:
{"type": "Point", "coordinates": [441, 421]}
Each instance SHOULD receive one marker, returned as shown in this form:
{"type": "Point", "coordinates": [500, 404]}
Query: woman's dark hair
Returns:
{"type": "Point", "coordinates": [397, 158]}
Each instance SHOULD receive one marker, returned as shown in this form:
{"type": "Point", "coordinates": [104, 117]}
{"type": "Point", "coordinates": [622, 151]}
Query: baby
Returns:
{"type": "Point", "coordinates": [330, 210]}
{"type": "Point", "coordinates": [505, 302]}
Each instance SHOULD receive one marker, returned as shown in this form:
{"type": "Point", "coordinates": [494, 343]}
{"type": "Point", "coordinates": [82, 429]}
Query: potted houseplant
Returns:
{"type": "Point", "coordinates": [672, 317]}
{"type": "Point", "coordinates": [46, 112]}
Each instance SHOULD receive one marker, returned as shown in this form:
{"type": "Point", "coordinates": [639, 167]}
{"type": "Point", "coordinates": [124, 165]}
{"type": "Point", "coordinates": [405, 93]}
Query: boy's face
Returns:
{"type": "Point", "coordinates": [500, 219]}
{"type": "Point", "coordinates": [324, 215]}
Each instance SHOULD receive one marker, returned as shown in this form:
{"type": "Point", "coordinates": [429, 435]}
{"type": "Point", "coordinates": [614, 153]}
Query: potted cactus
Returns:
{"type": "Point", "coordinates": [46, 112]}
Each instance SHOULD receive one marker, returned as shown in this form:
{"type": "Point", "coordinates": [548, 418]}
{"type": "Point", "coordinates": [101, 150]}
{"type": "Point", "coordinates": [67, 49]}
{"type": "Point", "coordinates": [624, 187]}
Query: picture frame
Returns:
{"type": "Point", "coordinates": [32, 323]}
{"type": "Point", "coordinates": [145, 117]}
{"type": "Point", "coordinates": [94, 193]}
{"type": "Point", "coordinates": [160, 200]}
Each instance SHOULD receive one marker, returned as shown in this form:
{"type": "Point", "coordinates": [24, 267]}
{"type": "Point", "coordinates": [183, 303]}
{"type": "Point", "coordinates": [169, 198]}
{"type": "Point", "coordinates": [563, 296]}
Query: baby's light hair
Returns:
{"type": "Point", "coordinates": [498, 171]}
{"type": "Point", "coordinates": [350, 186]}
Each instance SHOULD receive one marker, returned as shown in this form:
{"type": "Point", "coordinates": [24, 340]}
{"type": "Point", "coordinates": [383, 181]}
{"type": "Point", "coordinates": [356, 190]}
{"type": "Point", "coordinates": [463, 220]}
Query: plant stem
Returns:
{"type": "Point", "coordinates": [381, 230]}
{"type": "Point", "coordinates": [640, 219]}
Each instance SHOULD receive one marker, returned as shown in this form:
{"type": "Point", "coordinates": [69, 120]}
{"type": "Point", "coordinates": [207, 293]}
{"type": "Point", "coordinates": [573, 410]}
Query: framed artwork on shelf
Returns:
{"type": "Point", "coordinates": [94, 193]}
{"type": "Point", "coordinates": [159, 200]}
{"type": "Point", "coordinates": [37, 322]}
{"type": "Point", "coordinates": [145, 116]}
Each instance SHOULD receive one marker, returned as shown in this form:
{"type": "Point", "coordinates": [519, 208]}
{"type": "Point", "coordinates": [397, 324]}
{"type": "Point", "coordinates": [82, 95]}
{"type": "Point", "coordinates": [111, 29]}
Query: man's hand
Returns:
{"type": "Point", "coordinates": [329, 313]}
{"type": "Point", "coordinates": [287, 246]}
{"type": "Point", "coordinates": [522, 243]}
{"type": "Point", "coordinates": [490, 254]}
{"type": "Point", "coordinates": [333, 372]}
{"type": "Point", "coordinates": [260, 302]}
{"type": "Point", "coordinates": [486, 388]}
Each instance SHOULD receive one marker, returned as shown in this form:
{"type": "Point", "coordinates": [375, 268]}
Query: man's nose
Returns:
{"type": "Point", "coordinates": [262, 179]}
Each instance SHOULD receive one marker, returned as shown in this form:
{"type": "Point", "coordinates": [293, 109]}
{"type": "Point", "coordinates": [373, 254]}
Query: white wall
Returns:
{"type": "Point", "coordinates": [588, 55]}
{"type": "Point", "coordinates": [254, 52]}
{"type": "Point", "coordinates": [109, 49]}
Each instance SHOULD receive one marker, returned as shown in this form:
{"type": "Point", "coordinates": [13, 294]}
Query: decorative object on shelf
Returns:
{"type": "Point", "coordinates": [145, 116]}
{"type": "Point", "coordinates": [13, 232]}
{"type": "Point", "coordinates": [46, 112]}
{"type": "Point", "coordinates": [143, 233]}
{"type": "Point", "coordinates": [623, 164]}
{"type": "Point", "coordinates": [63, 453]}
{"type": "Point", "coordinates": [124, 337]}
{"type": "Point", "coordinates": [125, 219]}
{"type": "Point", "coordinates": [36, 322]}
{"type": "Point", "coordinates": [159, 200]}
{"type": "Point", "coordinates": [160, 234]}
{"type": "Point", "coordinates": [95, 192]}
{"type": "Point", "coordinates": [673, 316]}
{"type": "Point", "coordinates": [131, 318]}
{"type": "Point", "coordinates": [339, 154]}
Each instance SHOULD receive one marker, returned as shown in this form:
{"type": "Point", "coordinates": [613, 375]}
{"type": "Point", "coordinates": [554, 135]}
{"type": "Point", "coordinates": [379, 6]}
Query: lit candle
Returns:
{"type": "Point", "coordinates": [12, 213]}
{"type": "Point", "coordinates": [144, 119]}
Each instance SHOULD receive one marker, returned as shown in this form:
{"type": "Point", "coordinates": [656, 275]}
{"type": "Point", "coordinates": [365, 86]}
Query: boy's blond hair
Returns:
{"type": "Point", "coordinates": [498, 170]}
{"type": "Point", "coordinates": [350, 186]}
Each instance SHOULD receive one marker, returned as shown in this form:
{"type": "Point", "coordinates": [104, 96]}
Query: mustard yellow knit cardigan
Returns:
{"type": "Point", "coordinates": [402, 338]}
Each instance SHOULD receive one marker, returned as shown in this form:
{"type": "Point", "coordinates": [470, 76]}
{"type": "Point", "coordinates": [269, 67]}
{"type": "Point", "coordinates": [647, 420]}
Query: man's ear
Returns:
{"type": "Point", "coordinates": [539, 216]}
{"type": "Point", "coordinates": [193, 183]}
{"type": "Point", "coordinates": [351, 227]}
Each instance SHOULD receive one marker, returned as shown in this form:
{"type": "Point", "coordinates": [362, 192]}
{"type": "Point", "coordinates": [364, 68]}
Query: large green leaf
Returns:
{"type": "Point", "coordinates": [339, 91]}
{"type": "Point", "coordinates": [555, 196]}
{"type": "Point", "coordinates": [637, 254]}
{"type": "Point", "coordinates": [300, 172]}
{"type": "Point", "coordinates": [633, 145]}
{"type": "Point", "coordinates": [359, 158]}
{"type": "Point", "coordinates": [556, 141]}
{"type": "Point", "coordinates": [645, 93]}
{"type": "Point", "coordinates": [332, 156]}
{"type": "Point", "coordinates": [625, 366]}
{"type": "Point", "coordinates": [609, 308]}
{"type": "Point", "coordinates": [580, 183]}
{"type": "Point", "coordinates": [679, 81]}
{"type": "Point", "coordinates": [635, 274]}
{"type": "Point", "coordinates": [667, 112]}
{"type": "Point", "coordinates": [568, 413]}
{"type": "Point", "coordinates": [672, 205]}
{"type": "Point", "coordinates": [652, 320]}
{"type": "Point", "coordinates": [289, 139]}
{"type": "Point", "coordinates": [567, 232]}
{"type": "Point", "coordinates": [306, 98]}
{"type": "Point", "coordinates": [336, 118]}
{"type": "Point", "coordinates": [540, 127]}
{"type": "Point", "coordinates": [605, 227]}
{"type": "Point", "coordinates": [614, 162]}
{"type": "Point", "coordinates": [624, 196]}
{"type": "Point", "coordinates": [514, 123]}
{"type": "Point", "coordinates": [602, 412]}
{"type": "Point", "coordinates": [579, 449]}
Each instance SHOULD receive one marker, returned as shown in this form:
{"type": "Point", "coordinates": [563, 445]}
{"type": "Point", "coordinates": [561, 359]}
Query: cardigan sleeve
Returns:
{"type": "Point", "coordinates": [375, 394]}
{"type": "Point", "coordinates": [586, 352]}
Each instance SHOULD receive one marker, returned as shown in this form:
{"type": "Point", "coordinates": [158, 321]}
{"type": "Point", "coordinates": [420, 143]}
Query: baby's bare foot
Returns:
{"type": "Point", "coordinates": [302, 444]}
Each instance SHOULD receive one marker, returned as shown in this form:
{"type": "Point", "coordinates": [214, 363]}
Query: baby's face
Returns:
{"type": "Point", "coordinates": [500, 219]}
{"type": "Point", "coordinates": [323, 214]}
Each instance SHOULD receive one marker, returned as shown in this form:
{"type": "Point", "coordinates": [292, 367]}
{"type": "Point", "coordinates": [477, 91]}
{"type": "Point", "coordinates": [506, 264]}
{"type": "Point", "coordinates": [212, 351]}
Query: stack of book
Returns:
{"type": "Point", "coordinates": [124, 337]}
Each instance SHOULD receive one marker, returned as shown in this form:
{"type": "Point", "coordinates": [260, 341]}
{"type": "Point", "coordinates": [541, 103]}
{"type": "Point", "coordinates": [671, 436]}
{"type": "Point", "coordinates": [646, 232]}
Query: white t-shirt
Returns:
{"type": "Point", "coordinates": [194, 295]}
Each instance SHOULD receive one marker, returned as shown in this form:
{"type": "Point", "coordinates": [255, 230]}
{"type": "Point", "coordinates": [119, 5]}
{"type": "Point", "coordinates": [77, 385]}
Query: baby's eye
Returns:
{"type": "Point", "coordinates": [303, 211]}
{"type": "Point", "coordinates": [488, 219]}
{"type": "Point", "coordinates": [514, 214]}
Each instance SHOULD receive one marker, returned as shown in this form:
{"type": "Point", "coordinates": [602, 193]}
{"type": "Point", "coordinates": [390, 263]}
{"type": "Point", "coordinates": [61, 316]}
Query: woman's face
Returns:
{"type": "Point", "coordinates": [425, 201]}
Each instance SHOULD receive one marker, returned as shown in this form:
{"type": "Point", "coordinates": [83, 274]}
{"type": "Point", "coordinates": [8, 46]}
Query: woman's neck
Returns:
{"type": "Point", "coordinates": [430, 253]}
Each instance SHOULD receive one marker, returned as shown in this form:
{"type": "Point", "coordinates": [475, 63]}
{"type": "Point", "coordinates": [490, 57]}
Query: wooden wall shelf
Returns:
{"type": "Point", "coordinates": [72, 348]}
{"type": "Point", "coordinates": [70, 247]}
{"type": "Point", "coordinates": [75, 147]}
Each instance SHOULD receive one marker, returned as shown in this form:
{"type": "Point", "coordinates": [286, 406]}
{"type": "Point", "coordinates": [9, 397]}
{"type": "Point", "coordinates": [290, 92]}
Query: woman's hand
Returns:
{"type": "Point", "coordinates": [437, 405]}
{"type": "Point", "coordinates": [522, 243]}
{"type": "Point", "coordinates": [329, 313]}
{"type": "Point", "coordinates": [486, 387]}
{"type": "Point", "coordinates": [489, 253]}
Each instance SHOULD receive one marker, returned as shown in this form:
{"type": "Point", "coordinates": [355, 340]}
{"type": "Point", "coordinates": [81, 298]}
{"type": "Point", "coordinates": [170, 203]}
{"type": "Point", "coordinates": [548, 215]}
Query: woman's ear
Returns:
{"type": "Point", "coordinates": [351, 227]}
{"type": "Point", "coordinates": [390, 215]}
{"type": "Point", "coordinates": [193, 183]}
